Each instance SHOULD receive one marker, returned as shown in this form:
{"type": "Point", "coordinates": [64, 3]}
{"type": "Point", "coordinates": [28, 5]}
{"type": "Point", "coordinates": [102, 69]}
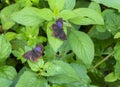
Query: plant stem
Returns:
{"type": "Point", "coordinates": [106, 58]}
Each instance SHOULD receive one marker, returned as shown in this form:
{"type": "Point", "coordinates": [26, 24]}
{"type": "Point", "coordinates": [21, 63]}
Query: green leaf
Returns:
{"type": "Point", "coordinates": [110, 77]}
{"type": "Point", "coordinates": [5, 82]}
{"type": "Point", "coordinates": [117, 35]}
{"type": "Point", "coordinates": [53, 41]}
{"type": "Point", "coordinates": [5, 16]}
{"type": "Point", "coordinates": [8, 72]}
{"type": "Point", "coordinates": [117, 52]}
{"type": "Point", "coordinates": [46, 14]}
{"type": "Point", "coordinates": [24, 3]}
{"type": "Point", "coordinates": [110, 3]}
{"type": "Point", "coordinates": [59, 72]}
{"type": "Point", "coordinates": [117, 70]}
{"type": "Point", "coordinates": [112, 19]}
{"type": "Point", "coordinates": [82, 46]}
{"type": "Point", "coordinates": [36, 66]}
{"type": "Point", "coordinates": [70, 4]}
{"type": "Point", "coordinates": [56, 5]}
{"type": "Point", "coordinates": [10, 36]}
{"type": "Point", "coordinates": [31, 32]}
{"type": "Point", "coordinates": [5, 48]}
{"type": "Point", "coordinates": [67, 14]}
{"type": "Point", "coordinates": [94, 33]}
{"type": "Point", "coordinates": [30, 79]}
{"type": "Point", "coordinates": [18, 53]}
{"type": "Point", "coordinates": [82, 74]}
{"type": "Point", "coordinates": [117, 58]}
{"type": "Point", "coordinates": [86, 16]}
{"type": "Point", "coordinates": [28, 16]}
{"type": "Point", "coordinates": [95, 6]}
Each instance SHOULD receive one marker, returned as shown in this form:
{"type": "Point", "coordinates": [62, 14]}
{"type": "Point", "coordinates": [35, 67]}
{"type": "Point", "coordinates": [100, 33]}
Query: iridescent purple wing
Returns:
{"type": "Point", "coordinates": [58, 29]}
{"type": "Point", "coordinates": [34, 54]}
{"type": "Point", "coordinates": [59, 23]}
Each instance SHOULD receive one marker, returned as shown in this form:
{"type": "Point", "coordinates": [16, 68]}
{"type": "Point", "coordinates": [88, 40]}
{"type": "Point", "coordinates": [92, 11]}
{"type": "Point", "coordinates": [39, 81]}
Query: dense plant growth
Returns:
{"type": "Point", "coordinates": [59, 43]}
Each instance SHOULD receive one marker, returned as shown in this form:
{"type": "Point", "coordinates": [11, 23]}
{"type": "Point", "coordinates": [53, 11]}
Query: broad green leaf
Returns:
{"type": "Point", "coordinates": [59, 72]}
{"type": "Point", "coordinates": [117, 52]}
{"type": "Point", "coordinates": [46, 14]}
{"type": "Point", "coordinates": [70, 4]}
{"type": "Point", "coordinates": [95, 6]}
{"type": "Point", "coordinates": [5, 48]}
{"type": "Point", "coordinates": [5, 16]}
{"type": "Point", "coordinates": [56, 5]}
{"type": "Point", "coordinates": [67, 14]}
{"type": "Point", "coordinates": [28, 16]}
{"type": "Point", "coordinates": [30, 79]}
{"type": "Point", "coordinates": [82, 46]}
{"type": "Point", "coordinates": [112, 19]}
{"type": "Point", "coordinates": [5, 82]}
{"type": "Point", "coordinates": [36, 66]}
{"type": "Point", "coordinates": [53, 41]}
{"type": "Point", "coordinates": [86, 16]}
{"type": "Point", "coordinates": [117, 70]}
{"type": "Point", "coordinates": [110, 3]}
{"type": "Point", "coordinates": [117, 57]}
{"type": "Point", "coordinates": [110, 77]}
{"type": "Point", "coordinates": [8, 72]}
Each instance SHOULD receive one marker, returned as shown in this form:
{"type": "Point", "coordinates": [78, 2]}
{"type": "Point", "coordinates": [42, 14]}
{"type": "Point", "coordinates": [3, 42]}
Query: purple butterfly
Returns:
{"type": "Point", "coordinates": [58, 30]}
{"type": "Point", "coordinates": [34, 54]}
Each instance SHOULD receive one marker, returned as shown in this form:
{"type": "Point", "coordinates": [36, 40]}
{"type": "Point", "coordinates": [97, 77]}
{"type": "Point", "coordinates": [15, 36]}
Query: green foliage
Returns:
{"type": "Point", "coordinates": [5, 48]}
{"type": "Point", "coordinates": [83, 46]}
{"type": "Point", "coordinates": [90, 57]}
{"type": "Point", "coordinates": [6, 19]}
{"type": "Point", "coordinates": [29, 79]}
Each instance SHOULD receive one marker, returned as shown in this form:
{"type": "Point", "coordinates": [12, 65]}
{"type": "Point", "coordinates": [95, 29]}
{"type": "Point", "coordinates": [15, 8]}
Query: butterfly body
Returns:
{"type": "Point", "coordinates": [34, 54]}
{"type": "Point", "coordinates": [58, 30]}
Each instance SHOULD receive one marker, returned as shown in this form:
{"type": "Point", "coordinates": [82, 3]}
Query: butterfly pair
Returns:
{"type": "Point", "coordinates": [58, 30]}
{"type": "Point", "coordinates": [34, 54]}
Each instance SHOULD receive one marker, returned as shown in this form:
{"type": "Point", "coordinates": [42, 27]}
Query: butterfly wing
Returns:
{"type": "Point", "coordinates": [28, 55]}
{"type": "Point", "coordinates": [34, 54]}
{"type": "Point", "coordinates": [58, 30]}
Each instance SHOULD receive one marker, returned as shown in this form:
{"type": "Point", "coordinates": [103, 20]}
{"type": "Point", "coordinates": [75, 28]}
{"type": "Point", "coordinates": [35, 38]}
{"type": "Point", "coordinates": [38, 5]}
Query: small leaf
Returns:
{"type": "Point", "coordinates": [10, 35]}
{"type": "Point", "coordinates": [117, 35]}
{"type": "Point", "coordinates": [67, 14]}
{"type": "Point", "coordinates": [110, 77]}
{"type": "Point", "coordinates": [53, 41]}
{"type": "Point", "coordinates": [28, 16]}
{"type": "Point", "coordinates": [110, 3]}
{"type": "Point", "coordinates": [36, 66]}
{"type": "Point", "coordinates": [8, 72]}
{"type": "Point", "coordinates": [70, 4]}
{"type": "Point", "coordinates": [30, 79]}
{"type": "Point", "coordinates": [5, 48]}
{"type": "Point", "coordinates": [86, 16]}
{"type": "Point", "coordinates": [5, 16]}
{"type": "Point", "coordinates": [59, 72]}
{"type": "Point", "coordinates": [95, 6]}
{"type": "Point", "coordinates": [82, 46]}
{"type": "Point", "coordinates": [112, 19]}
{"type": "Point", "coordinates": [56, 4]}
